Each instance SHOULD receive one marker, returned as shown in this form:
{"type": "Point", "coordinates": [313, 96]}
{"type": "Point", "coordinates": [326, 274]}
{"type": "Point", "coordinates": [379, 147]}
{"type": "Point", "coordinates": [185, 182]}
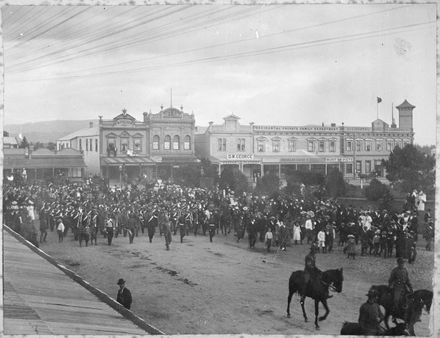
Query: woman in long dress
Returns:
{"type": "Point", "coordinates": [296, 233]}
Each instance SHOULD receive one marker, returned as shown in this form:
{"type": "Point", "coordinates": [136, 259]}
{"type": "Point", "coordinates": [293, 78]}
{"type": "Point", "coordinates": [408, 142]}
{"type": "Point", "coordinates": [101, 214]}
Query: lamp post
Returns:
{"type": "Point", "coordinates": [120, 176]}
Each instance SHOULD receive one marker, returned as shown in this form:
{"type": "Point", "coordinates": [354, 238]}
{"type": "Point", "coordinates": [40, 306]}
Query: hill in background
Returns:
{"type": "Point", "coordinates": [47, 131]}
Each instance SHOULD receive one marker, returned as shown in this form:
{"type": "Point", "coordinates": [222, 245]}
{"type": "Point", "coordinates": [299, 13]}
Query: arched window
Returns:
{"type": "Point", "coordinates": [176, 142]}
{"type": "Point", "coordinates": [156, 140]}
{"type": "Point", "coordinates": [167, 142]}
{"type": "Point", "coordinates": [261, 144]}
{"type": "Point", "coordinates": [187, 143]}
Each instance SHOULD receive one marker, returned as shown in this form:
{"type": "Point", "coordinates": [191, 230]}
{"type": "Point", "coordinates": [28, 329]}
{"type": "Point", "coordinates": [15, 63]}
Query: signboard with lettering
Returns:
{"type": "Point", "coordinates": [238, 156]}
{"type": "Point", "coordinates": [339, 159]}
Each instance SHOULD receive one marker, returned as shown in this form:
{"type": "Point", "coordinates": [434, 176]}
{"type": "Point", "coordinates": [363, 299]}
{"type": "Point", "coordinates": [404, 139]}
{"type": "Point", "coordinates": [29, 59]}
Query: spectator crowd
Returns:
{"type": "Point", "coordinates": [89, 210]}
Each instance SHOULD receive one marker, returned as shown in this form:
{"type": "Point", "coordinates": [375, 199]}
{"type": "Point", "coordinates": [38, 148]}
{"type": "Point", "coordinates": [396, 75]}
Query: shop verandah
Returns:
{"type": "Point", "coordinates": [21, 165]}
{"type": "Point", "coordinates": [253, 169]}
{"type": "Point", "coordinates": [121, 171]}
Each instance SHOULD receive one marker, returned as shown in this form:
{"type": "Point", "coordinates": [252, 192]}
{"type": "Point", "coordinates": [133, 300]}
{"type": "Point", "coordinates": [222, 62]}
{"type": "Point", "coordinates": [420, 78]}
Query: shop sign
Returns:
{"type": "Point", "coordinates": [338, 159]}
{"type": "Point", "coordinates": [238, 157]}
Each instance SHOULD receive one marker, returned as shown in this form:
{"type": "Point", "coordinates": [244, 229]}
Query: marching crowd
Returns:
{"type": "Point", "coordinates": [90, 209]}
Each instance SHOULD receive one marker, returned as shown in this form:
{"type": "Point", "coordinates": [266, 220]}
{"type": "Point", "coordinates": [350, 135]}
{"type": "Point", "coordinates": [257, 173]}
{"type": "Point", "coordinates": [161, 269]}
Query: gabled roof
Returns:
{"type": "Point", "coordinates": [94, 131]}
{"type": "Point", "coordinates": [382, 122]}
{"type": "Point", "coordinates": [405, 104]}
{"type": "Point", "coordinates": [124, 116]}
{"type": "Point", "coordinates": [10, 140]}
{"type": "Point", "coordinates": [231, 117]}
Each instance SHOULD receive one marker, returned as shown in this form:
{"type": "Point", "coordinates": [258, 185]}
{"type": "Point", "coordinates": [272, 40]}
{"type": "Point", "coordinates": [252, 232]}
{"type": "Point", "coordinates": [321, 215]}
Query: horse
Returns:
{"type": "Point", "coordinates": [318, 290]}
{"type": "Point", "coordinates": [415, 303]}
{"type": "Point", "coordinates": [426, 297]}
{"type": "Point", "coordinates": [353, 329]}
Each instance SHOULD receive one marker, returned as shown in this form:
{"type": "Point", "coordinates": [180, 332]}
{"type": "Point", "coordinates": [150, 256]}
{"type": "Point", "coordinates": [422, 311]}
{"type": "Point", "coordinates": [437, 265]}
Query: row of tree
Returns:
{"type": "Point", "coordinates": [407, 168]}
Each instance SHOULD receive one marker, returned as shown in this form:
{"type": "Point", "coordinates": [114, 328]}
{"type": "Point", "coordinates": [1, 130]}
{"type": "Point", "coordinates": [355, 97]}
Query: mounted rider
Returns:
{"type": "Point", "coordinates": [400, 284]}
{"type": "Point", "coordinates": [310, 270]}
{"type": "Point", "coordinates": [370, 315]}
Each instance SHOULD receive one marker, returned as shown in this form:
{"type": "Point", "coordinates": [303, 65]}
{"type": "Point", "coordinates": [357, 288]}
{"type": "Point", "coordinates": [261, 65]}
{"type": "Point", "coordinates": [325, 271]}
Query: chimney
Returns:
{"type": "Point", "coordinates": [210, 125]}
{"type": "Point", "coordinates": [90, 124]}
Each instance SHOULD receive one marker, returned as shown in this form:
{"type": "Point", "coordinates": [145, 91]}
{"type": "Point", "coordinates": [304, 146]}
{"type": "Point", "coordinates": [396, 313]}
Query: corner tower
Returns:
{"type": "Point", "coordinates": [405, 115]}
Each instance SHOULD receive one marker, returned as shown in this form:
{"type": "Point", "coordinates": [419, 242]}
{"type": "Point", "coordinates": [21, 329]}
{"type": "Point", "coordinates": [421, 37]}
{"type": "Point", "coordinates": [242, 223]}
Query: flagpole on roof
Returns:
{"type": "Point", "coordinates": [379, 100]}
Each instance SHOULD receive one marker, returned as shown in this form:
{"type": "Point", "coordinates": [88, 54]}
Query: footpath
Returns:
{"type": "Point", "coordinates": [43, 297]}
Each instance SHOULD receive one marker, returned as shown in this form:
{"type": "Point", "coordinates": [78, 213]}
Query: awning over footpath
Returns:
{"type": "Point", "coordinates": [42, 163]}
{"type": "Point", "coordinates": [128, 161]}
{"type": "Point", "coordinates": [179, 159]}
{"type": "Point", "coordinates": [216, 160]}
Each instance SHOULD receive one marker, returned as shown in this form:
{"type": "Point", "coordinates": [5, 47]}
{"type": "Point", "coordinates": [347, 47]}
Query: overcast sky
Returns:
{"type": "Point", "coordinates": [273, 64]}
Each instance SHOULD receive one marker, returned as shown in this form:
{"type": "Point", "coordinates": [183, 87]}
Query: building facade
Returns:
{"type": "Point", "coordinates": [86, 141]}
{"type": "Point", "coordinates": [171, 139]}
{"type": "Point", "coordinates": [229, 143]}
{"type": "Point", "coordinates": [124, 149]}
{"type": "Point", "coordinates": [356, 151]}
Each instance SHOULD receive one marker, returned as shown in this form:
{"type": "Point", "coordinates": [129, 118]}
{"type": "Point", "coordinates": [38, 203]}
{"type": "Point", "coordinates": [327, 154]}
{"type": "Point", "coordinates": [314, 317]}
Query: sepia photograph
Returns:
{"type": "Point", "coordinates": [219, 168]}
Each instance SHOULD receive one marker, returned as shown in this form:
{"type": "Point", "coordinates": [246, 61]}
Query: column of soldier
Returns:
{"type": "Point", "coordinates": [88, 210]}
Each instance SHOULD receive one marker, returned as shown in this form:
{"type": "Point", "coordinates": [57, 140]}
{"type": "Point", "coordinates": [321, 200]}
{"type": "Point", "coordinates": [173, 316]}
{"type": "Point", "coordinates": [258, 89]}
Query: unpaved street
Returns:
{"type": "Point", "coordinates": [224, 287]}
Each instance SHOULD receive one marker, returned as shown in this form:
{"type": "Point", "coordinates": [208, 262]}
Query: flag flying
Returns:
{"type": "Point", "coordinates": [379, 100]}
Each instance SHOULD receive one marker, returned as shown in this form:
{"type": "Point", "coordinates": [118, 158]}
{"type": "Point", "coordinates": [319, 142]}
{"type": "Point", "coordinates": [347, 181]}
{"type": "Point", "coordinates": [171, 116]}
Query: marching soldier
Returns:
{"type": "Point", "coordinates": [151, 225]}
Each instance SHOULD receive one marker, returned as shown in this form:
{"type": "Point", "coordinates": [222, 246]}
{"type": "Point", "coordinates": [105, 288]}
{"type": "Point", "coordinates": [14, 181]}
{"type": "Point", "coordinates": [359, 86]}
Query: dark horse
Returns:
{"type": "Point", "coordinates": [415, 303]}
{"type": "Point", "coordinates": [353, 329]}
{"type": "Point", "coordinates": [317, 289]}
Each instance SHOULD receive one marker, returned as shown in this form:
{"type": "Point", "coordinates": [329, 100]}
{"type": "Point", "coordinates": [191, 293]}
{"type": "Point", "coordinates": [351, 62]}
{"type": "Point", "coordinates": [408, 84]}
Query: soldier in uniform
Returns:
{"type": "Point", "coordinates": [151, 227]}
{"type": "Point", "coordinates": [370, 315]}
{"type": "Point", "coordinates": [309, 271]}
{"type": "Point", "coordinates": [400, 284]}
{"type": "Point", "coordinates": [167, 231]}
{"type": "Point", "coordinates": [181, 225]}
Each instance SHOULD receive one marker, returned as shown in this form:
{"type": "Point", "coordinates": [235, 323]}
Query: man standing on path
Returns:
{"type": "Point", "coordinates": [124, 295]}
{"type": "Point", "coordinates": [60, 229]}
{"type": "Point", "coordinates": [268, 238]}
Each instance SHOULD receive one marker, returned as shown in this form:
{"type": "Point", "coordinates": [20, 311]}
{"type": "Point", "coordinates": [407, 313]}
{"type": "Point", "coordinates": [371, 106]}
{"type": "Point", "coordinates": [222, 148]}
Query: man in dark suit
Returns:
{"type": "Point", "coordinates": [124, 295]}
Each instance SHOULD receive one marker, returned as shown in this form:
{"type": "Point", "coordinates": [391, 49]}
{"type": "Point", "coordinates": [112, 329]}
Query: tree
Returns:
{"type": "Point", "coordinates": [52, 146]}
{"type": "Point", "coordinates": [376, 190]}
{"type": "Point", "coordinates": [24, 143]}
{"type": "Point", "coordinates": [233, 179]}
{"type": "Point", "coordinates": [410, 168]}
{"type": "Point", "coordinates": [268, 184]}
{"type": "Point", "coordinates": [38, 145]}
{"type": "Point", "coordinates": [187, 175]}
{"type": "Point", "coordinates": [335, 183]}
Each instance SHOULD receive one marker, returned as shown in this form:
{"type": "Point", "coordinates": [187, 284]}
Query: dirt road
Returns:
{"type": "Point", "coordinates": [224, 287]}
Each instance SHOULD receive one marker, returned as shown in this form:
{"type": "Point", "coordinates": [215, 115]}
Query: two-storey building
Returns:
{"type": "Point", "coordinates": [355, 151]}
{"type": "Point", "coordinates": [124, 148]}
{"type": "Point", "coordinates": [229, 143]}
{"type": "Point", "coordinates": [171, 139]}
{"type": "Point", "coordinates": [86, 141]}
